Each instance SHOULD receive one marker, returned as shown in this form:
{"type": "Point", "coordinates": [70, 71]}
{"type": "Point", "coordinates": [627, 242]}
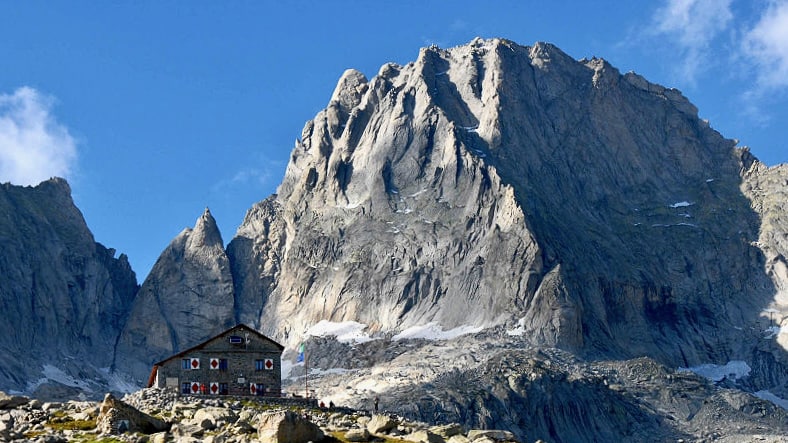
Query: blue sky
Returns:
{"type": "Point", "coordinates": [154, 110]}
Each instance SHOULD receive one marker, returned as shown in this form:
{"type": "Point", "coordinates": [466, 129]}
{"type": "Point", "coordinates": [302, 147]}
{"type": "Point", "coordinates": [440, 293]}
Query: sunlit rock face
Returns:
{"type": "Point", "coordinates": [494, 183]}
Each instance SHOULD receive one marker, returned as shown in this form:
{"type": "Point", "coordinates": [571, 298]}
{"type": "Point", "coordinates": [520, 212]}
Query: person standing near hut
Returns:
{"type": "Point", "coordinates": [375, 401]}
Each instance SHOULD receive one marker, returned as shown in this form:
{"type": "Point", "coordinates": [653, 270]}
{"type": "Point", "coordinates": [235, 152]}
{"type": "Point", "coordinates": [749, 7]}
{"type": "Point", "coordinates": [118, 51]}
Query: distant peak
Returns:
{"type": "Point", "coordinates": [206, 232]}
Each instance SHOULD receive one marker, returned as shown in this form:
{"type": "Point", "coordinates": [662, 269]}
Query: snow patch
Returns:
{"type": "Point", "coordinates": [519, 330]}
{"type": "Point", "coordinates": [345, 332]}
{"type": "Point", "coordinates": [434, 331]}
{"type": "Point", "coordinates": [53, 374]}
{"type": "Point", "coordinates": [119, 382]}
{"type": "Point", "coordinates": [734, 369]}
{"type": "Point", "coordinates": [683, 204]}
{"type": "Point", "coordinates": [768, 396]}
{"type": "Point", "coordinates": [709, 180]}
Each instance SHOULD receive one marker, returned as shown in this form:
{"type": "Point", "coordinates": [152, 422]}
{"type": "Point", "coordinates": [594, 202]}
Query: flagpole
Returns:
{"type": "Point", "coordinates": [306, 374]}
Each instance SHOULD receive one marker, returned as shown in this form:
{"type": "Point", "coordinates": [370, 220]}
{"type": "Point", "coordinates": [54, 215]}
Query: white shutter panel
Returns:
{"type": "Point", "coordinates": [268, 364]}
{"type": "Point", "coordinates": [214, 364]}
{"type": "Point", "coordinates": [195, 363]}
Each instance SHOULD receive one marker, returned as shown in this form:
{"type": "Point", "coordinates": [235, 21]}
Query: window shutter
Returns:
{"type": "Point", "coordinates": [195, 363]}
{"type": "Point", "coordinates": [214, 363]}
{"type": "Point", "coordinates": [252, 389]}
{"type": "Point", "coordinates": [214, 388]}
{"type": "Point", "coordinates": [269, 364]}
{"type": "Point", "coordinates": [195, 387]}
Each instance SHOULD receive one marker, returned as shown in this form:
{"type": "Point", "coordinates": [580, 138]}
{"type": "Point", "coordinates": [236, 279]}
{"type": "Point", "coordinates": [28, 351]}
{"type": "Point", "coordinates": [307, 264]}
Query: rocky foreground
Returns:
{"type": "Point", "coordinates": [519, 395]}
{"type": "Point", "coordinates": [155, 415]}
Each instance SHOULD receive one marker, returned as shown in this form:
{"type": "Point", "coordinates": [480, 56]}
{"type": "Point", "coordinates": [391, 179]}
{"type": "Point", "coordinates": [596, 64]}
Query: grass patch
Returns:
{"type": "Point", "coordinates": [97, 439]}
{"type": "Point", "coordinates": [258, 406]}
{"type": "Point", "coordinates": [339, 437]}
{"type": "Point", "coordinates": [59, 414]}
{"type": "Point", "coordinates": [72, 425]}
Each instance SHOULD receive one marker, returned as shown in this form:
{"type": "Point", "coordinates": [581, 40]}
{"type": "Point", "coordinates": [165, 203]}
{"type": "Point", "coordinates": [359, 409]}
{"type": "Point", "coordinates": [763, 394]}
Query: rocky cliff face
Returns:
{"type": "Point", "coordinates": [494, 183]}
{"type": "Point", "coordinates": [544, 202]}
{"type": "Point", "coordinates": [187, 298]}
{"type": "Point", "coordinates": [64, 297]}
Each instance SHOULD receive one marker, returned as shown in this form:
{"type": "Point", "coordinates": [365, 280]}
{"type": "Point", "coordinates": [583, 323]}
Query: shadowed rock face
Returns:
{"type": "Point", "coordinates": [493, 183]}
{"type": "Point", "coordinates": [64, 297]}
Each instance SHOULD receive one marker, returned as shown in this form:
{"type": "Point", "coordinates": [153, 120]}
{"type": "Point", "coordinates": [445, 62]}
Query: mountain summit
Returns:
{"type": "Point", "coordinates": [497, 184]}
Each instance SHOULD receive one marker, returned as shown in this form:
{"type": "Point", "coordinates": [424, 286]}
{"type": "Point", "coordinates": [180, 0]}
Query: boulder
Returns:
{"type": "Point", "coordinates": [381, 424]}
{"type": "Point", "coordinates": [423, 436]}
{"type": "Point", "coordinates": [495, 434]}
{"type": "Point", "coordinates": [287, 427]}
{"type": "Point", "coordinates": [459, 438]}
{"type": "Point", "coordinates": [357, 434]}
{"type": "Point", "coordinates": [447, 431]}
{"type": "Point", "coordinates": [184, 431]}
{"type": "Point", "coordinates": [11, 401]}
{"type": "Point", "coordinates": [6, 427]}
{"type": "Point", "coordinates": [117, 417]}
{"type": "Point", "coordinates": [213, 417]}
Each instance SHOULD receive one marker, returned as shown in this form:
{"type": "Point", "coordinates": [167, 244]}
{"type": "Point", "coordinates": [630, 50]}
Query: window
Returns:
{"type": "Point", "coordinates": [259, 389]}
{"type": "Point", "coordinates": [218, 363]}
{"type": "Point", "coordinates": [186, 363]}
{"type": "Point", "coordinates": [223, 389]}
{"type": "Point", "coordinates": [186, 388]}
{"type": "Point", "coordinates": [262, 364]}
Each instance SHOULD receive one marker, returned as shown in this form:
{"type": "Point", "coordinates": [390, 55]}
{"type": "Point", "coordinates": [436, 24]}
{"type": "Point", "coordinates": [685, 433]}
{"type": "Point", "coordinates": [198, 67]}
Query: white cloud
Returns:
{"type": "Point", "coordinates": [767, 45]}
{"type": "Point", "coordinates": [692, 25]}
{"type": "Point", "coordinates": [33, 145]}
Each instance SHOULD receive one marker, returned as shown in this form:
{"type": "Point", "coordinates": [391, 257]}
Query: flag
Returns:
{"type": "Point", "coordinates": [300, 354]}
